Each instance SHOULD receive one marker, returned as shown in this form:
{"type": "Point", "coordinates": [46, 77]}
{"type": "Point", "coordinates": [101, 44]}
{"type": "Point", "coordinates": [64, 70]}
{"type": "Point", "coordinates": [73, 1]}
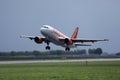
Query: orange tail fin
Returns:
{"type": "Point", "coordinates": [74, 35]}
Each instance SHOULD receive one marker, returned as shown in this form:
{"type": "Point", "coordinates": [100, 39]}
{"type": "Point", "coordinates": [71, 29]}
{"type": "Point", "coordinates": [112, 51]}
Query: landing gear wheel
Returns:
{"type": "Point", "coordinates": [47, 48]}
{"type": "Point", "coordinates": [67, 49]}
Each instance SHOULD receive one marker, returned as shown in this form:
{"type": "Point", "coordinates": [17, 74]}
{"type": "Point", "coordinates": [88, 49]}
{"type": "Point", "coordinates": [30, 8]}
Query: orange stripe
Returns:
{"type": "Point", "coordinates": [59, 33]}
{"type": "Point", "coordinates": [62, 35]}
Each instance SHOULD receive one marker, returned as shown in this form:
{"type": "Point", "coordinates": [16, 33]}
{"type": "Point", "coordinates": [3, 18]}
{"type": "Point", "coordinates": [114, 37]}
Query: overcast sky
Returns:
{"type": "Point", "coordinates": [97, 19]}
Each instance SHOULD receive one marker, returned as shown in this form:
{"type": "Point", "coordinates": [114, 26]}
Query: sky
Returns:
{"type": "Point", "coordinates": [96, 19]}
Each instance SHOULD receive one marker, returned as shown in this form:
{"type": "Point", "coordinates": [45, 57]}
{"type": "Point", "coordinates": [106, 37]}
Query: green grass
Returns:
{"type": "Point", "coordinates": [61, 71]}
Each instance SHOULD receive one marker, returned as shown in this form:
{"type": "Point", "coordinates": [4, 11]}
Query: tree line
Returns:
{"type": "Point", "coordinates": [97, 51]}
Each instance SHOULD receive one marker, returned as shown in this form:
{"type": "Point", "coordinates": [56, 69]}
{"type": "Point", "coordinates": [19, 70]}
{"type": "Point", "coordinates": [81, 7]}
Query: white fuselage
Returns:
{"type": "Point", "coordinates": [53, 35]}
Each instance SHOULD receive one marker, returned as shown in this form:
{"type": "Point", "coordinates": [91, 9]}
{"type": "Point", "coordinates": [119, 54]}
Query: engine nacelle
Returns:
{"type": "Point", "coordinates": [38, 40]}
{"type": "Point", "coordinates": [68, 41]}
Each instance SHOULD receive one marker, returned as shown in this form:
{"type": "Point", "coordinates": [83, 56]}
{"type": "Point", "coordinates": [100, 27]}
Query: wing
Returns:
{"type": "Point", "coordinates": [37, 39]}
{"type": "Point", "coordinates": [30, 37]}
{"type": "Point", "coordinates": [84, 40]}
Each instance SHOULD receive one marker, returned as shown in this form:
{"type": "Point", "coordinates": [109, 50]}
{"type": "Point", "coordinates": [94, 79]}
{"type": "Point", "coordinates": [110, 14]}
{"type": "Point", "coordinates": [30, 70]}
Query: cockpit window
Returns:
{"type": "Point", "coordinates": [45, 27]}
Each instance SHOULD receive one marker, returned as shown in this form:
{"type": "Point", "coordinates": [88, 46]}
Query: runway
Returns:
{"type": "Point", "coordinates": [49, 61]}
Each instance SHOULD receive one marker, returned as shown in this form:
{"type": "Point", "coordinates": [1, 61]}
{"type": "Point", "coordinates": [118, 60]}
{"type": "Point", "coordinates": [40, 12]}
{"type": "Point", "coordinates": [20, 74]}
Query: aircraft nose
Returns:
{"type": "Point", "coordinates": [42, 30]}
{"type": "Point", "coordinates": [45, 29]}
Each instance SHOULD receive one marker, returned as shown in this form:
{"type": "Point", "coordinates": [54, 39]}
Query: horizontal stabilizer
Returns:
{"type": "Point", "coordinates": [85, 40]}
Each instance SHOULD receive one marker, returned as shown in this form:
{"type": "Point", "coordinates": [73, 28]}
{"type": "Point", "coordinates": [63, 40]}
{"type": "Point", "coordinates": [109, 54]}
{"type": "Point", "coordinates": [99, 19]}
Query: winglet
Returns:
{"type": "Point", "coordinates": [74, 35]}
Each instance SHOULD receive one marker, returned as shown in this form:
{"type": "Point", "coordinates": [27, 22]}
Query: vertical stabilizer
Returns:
{"type": "Point", "coordinates": [74, 35]}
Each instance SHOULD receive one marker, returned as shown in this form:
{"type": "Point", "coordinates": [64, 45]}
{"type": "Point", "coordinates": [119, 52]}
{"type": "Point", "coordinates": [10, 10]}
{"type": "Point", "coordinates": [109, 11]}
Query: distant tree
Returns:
{"type": "Point", "coordinates": [83, 51]}
{"type": "Point", "coordinates": [98, 51]}
{"type": "Point", "coordinates": [4, 54]}
{"type": "Point", "coordinates": [12, 53]}
{"type": "Point", "coordinates": [36, 53]}
{"type": "Point", "coordinates": [118, 53]}
{"type": "Point", "coordinates": [91, 51]}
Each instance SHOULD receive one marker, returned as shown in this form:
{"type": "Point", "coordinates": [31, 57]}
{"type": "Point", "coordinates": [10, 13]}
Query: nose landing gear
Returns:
{"type": "Point", "coordinates": [47, 47]}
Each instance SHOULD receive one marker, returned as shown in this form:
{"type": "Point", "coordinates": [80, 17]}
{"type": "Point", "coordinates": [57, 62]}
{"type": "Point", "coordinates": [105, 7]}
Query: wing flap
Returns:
{"type": "Point", "coordinates": [78, 44]}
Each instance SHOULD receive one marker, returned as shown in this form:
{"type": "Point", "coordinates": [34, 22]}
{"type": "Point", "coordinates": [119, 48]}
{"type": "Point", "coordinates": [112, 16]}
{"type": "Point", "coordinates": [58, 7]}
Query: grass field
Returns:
{"type": "Point", "coordinates": [61, 71]}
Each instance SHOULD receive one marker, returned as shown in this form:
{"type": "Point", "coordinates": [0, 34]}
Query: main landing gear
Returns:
{"type": "Point", "coordinates": [67, 49]}
{"type": "Point", "coordinates": [47, 47]}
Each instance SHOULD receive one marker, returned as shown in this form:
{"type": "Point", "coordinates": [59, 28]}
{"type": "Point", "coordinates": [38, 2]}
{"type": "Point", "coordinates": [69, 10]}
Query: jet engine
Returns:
{"type": "Point", "coordinates": [38, 40]}
{"type": "Point", "coordinates": [68, 41]}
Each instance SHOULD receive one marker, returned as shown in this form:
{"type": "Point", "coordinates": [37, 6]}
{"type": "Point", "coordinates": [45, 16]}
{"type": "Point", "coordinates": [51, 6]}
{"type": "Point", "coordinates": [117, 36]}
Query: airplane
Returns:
{"type": "Point", "coordinates": [52, 35]}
